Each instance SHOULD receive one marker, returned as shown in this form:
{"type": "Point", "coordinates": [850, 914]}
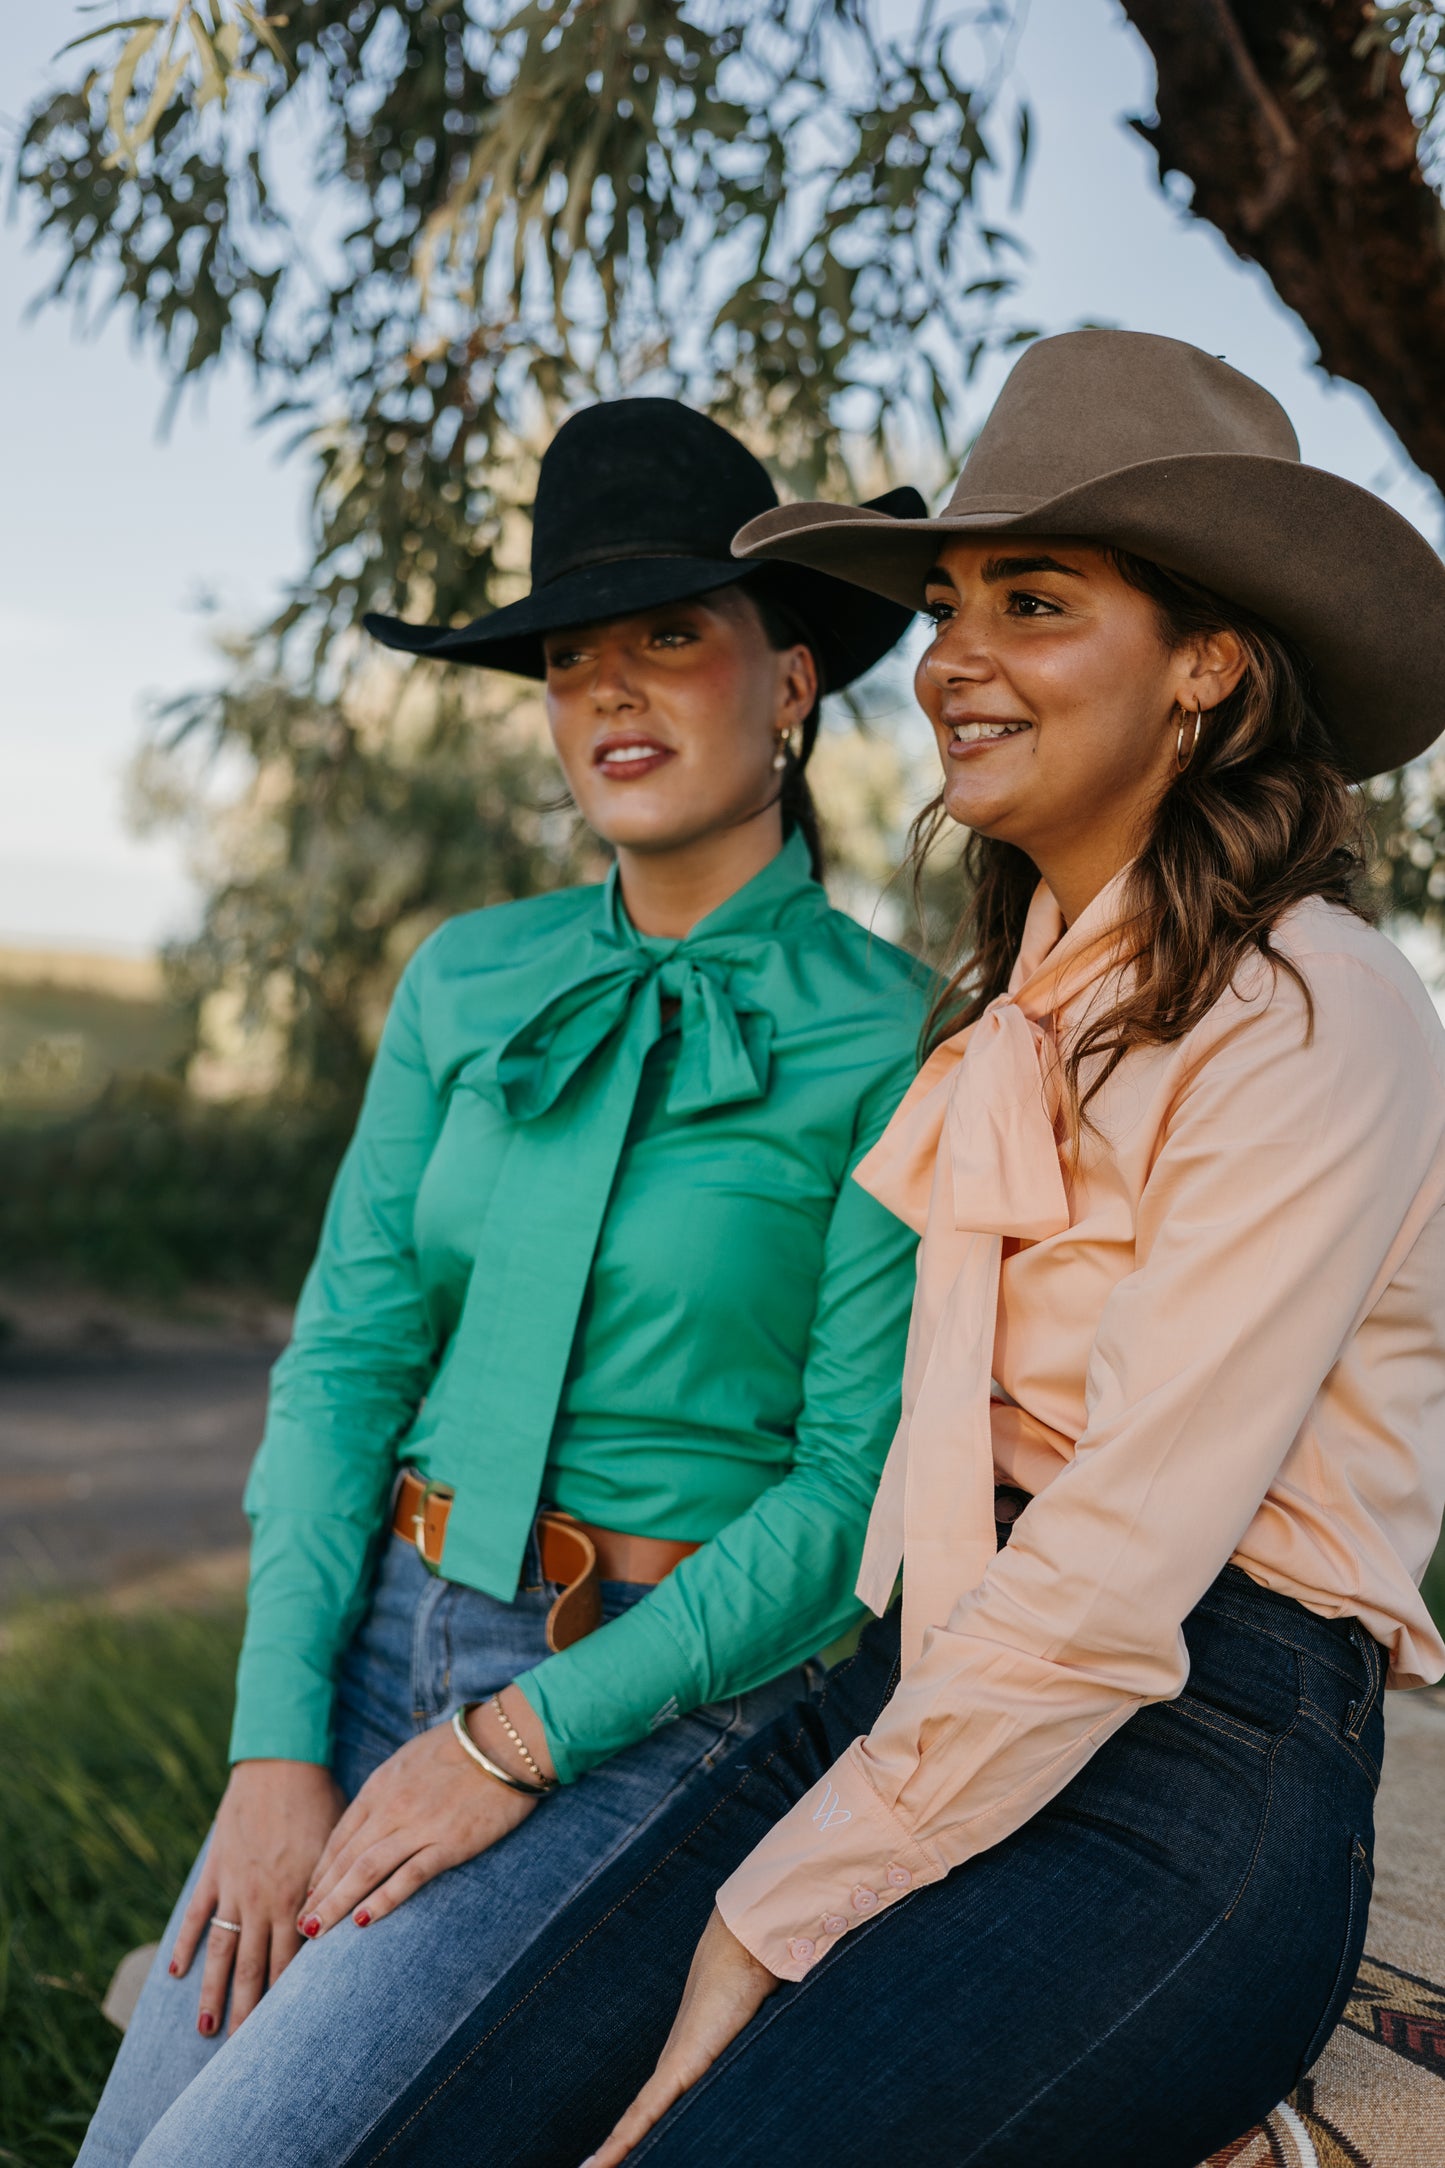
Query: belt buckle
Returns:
{"type": "Point", "coordinates": [430, 1489]}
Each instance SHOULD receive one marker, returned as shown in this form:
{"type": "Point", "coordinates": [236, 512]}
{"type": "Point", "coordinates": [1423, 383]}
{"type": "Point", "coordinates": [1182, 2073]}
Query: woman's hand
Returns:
{"type": "Point", "coordinates": [429, 1807]}
{"type": "Point", "coordinates": [270, 1829]}
{"type": "Point", "coordinates": [726, 1988]}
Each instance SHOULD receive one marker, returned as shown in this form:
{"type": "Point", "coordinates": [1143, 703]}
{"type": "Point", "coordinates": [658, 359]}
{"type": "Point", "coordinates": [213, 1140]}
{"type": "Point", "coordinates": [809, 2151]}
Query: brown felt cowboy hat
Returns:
{"type": "Point", "coordinates": [1146, 443]}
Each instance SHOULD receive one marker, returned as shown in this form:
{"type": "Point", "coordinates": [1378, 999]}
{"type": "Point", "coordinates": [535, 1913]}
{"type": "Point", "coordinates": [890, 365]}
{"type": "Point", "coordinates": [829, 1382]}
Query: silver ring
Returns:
{"type": "Point", "coordinates": [232, 1927]}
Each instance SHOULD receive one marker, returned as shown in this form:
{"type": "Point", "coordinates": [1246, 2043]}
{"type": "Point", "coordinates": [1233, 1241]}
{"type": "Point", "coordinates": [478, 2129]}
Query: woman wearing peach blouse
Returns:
{"type": "Point", "coordinates": [1071, 1863]}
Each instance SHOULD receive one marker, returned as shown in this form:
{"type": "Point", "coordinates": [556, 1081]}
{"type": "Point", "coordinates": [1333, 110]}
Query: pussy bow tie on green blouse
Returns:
{"type": "Point", "coordinates": [615, 987]}
{"type": "Point", "coordinates": [569, 1078]}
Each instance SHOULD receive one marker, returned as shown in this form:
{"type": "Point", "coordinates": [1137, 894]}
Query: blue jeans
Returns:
{"type": "Point", "coordinates": [357, 2013]}
{"type": "Point", "coordinates": [1130, 1980]}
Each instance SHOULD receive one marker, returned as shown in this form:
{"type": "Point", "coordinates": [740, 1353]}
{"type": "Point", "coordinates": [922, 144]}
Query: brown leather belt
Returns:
{"type": "Point", "coordinates": [574, 1554]}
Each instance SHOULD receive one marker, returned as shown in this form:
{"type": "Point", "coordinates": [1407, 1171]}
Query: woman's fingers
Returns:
{"type": "Point", "coordinates": [194, 1920]}
{"type": "Point", "coordinates": [726, 1987]}
{"type": "Point", "coordinates": [373, 1866]}
{"type": "Point", "coordinates": [664, 2087]}
{"type": "Point", "coordinates": [340, 1840]}
{"type": "Point", "coordinates": [248, 1979]}
{"type": "Point", "coordinates": [272, 1823]}
{"type": "Point", "coordinates": [412, 1875]}
{"type": "Point", "coordinates": [285, 1942]}
{"type": "Point", "coordinates": [216, 1974]}
{"type": "Point", "coordinates": [366, 1835]}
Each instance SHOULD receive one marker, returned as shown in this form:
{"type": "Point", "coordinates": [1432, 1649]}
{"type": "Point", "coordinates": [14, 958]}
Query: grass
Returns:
{"type": "Point", "coordinates": [113, 1757]}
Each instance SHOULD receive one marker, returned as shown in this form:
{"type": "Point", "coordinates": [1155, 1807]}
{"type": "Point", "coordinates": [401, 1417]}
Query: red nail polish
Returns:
{"type": "Point", "coordinates": [362, 1919]}
{"type": "Point", "coordinates": [206, 2023]}
{"type": "Point", "coordinates": [311, 1926]}
{"type": "Point", "coordinates": [171, 1968]}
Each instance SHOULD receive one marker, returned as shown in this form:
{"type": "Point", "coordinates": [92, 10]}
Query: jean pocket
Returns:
{"type": "Point", "coordinates": [1356, 1920]}
{"type": "Point", "coordinates": [1241, 1681]}
{"type": "Point", "coordinates": [1236, 1716]}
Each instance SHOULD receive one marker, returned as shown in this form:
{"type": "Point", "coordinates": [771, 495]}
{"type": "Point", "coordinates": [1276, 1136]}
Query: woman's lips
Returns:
{"type": "Point", "coordinates": [622, 760]}
{"type": "Point", "coordinates": [967, 739]}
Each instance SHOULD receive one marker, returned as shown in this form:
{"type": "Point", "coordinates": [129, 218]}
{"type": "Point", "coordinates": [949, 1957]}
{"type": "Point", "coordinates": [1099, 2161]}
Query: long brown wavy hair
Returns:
{"type": "Point", "coordinates": [1263, 816]}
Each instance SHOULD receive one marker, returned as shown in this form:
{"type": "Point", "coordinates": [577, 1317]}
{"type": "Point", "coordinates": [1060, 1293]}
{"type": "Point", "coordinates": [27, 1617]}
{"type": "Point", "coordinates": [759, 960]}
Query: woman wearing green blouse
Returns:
{"type": "Point", "coordinates": [567, 1468]}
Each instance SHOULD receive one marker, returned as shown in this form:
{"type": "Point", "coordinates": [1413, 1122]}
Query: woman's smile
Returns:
{"type": "Point", "coordinates": [624, 755]}
{"type": "Point", "coordinates": [969, 735]}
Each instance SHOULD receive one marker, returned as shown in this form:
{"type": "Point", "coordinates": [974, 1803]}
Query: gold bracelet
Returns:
{"type": "Point", "coordinates": [484, 1761]}
{"type": "Point", "coordinates": [547, 1783]}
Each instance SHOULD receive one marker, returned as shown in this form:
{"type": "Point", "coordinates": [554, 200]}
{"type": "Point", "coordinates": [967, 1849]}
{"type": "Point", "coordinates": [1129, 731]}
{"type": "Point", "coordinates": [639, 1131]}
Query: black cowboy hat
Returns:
{"type": "Point", "coordinates": [637, 504]}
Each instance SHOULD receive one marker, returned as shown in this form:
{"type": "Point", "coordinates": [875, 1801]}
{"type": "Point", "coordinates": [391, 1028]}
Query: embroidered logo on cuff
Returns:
{"type": "Point", "coordinates": [830, 1812]}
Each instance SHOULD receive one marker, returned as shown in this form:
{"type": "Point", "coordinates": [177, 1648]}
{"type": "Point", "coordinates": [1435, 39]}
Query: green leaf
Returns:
{"type": "Point", "coordinates": [108, 30]}
{"type": "Point", "coordinates": [213, 80]}
{"type": "Point", "coordinates": [132, 54]}
{"type": "Point", "coordinates": [264, 28]}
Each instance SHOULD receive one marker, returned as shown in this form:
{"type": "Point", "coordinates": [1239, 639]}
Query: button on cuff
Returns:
{"type": "Point", "coordinates": [800, 1949]}
{"type": "Point", "coordinates": [864, 1900]}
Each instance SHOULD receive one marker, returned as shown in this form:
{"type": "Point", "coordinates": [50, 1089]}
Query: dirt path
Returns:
{"type": "Point", "coordinates": [125, 1456]}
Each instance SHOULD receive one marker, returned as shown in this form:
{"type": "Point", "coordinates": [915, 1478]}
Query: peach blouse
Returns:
{"type": "Point", "coordinates": [1220, 1337]}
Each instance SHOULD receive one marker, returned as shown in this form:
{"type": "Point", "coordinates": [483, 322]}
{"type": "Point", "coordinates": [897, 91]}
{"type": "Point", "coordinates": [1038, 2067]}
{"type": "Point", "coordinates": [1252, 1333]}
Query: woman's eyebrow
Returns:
{"type": "Point", "coordinates": [1012, 568]}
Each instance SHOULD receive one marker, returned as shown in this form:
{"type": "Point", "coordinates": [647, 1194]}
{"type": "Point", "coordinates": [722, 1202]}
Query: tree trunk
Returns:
{"type": "Point", "coordinates": [1302, 152]}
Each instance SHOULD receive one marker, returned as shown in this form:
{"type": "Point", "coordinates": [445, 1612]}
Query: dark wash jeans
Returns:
{"type": "Point", "coordinates": [1129, 1981]}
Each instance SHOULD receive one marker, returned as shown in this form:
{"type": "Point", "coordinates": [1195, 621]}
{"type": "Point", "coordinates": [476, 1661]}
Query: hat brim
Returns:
{"type": "Point", "coordinates": [849, 632]}
{"type": "Point", "coordinates": [1357, 589]}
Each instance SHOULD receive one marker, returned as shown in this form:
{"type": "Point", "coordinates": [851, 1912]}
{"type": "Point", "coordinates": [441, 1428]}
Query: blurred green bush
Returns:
{"type": "Point", "coordinates": [149, 1190]}
{"type": "Point", "coordinates": [115, 1738]}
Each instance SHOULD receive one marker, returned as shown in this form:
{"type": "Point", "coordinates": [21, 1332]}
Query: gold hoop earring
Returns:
{"type": "Point", "coordinates": [1180, 755]}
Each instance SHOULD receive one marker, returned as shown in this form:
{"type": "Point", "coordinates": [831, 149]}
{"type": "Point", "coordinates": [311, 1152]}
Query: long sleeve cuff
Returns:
{"type": "Point", "coordinates": [283, 1706]}
{"type": "Point", "coordinates": [308, 1589]}
{"type": "Point", "coordinates": [838, 1858]}
{"type": "Point", "coordinates": [625, 1680]}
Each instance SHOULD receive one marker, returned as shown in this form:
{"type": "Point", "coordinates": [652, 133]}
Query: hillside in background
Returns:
{"type": "Point", "coordinates": [69, 1022]}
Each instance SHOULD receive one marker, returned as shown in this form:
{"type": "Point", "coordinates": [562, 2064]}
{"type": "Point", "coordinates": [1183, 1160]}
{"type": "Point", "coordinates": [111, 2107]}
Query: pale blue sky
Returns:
{"type": "Point", "coordinates": [112, 534]}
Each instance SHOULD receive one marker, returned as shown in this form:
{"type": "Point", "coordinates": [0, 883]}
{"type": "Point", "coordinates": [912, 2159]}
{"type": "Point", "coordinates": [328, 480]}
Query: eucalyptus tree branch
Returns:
{"type": "Point", "coordinates": [1293, 122]}
{"type": "Point", "coordinates": [772, 206]}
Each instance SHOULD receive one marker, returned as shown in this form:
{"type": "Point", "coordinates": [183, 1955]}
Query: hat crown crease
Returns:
{"type": "Point", "coordinates": [633, 468]}
{"type": "Point", "coordinates": [1090, 403]}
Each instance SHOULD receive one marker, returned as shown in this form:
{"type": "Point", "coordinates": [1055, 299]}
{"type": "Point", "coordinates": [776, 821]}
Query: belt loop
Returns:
{"type": "Point", "coordinates": [1372, 1655]}
{"type": "Point", "coordinates": [430, 1489]}
{"type": "Point", "coordinates": [533, 1578]}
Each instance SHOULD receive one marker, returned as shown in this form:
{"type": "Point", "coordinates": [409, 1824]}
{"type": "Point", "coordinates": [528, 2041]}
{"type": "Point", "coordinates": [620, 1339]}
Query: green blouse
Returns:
{"type": "Point", "coordinates": [594, 1243]}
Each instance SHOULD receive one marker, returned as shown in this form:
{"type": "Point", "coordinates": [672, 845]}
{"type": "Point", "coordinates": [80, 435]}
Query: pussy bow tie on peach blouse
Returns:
{"type": "Point", "coordinates": [971, 1156]}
